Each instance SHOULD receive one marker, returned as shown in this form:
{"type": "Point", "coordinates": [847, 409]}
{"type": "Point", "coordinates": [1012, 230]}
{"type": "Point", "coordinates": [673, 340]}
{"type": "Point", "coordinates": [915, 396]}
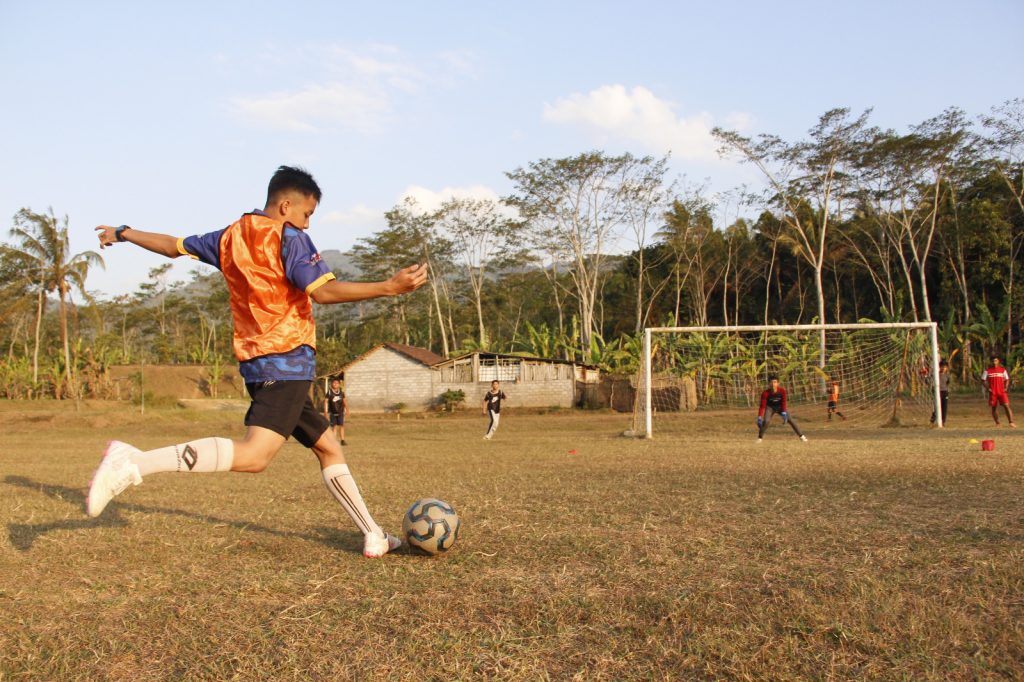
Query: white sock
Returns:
{"type": "Point", "coordinates": [343, 487]}
{"type": "Point", "coordinates": [205, 455]}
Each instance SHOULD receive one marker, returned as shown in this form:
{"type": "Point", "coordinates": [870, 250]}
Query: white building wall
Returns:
{"type": "Point", "coordinates": [557, 393]}
{"type": "Point", "coordinates": [383, 378]}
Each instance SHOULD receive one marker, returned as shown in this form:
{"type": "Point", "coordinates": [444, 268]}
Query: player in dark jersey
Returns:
{"type": "Point", "coordinates": [774, 398]}
{"type": "Point", "coordinates": [997, 380]}
{"type": "Point", "coordinates": [492, 407]}
{"type": "Point", "coordinates": [336, 409]}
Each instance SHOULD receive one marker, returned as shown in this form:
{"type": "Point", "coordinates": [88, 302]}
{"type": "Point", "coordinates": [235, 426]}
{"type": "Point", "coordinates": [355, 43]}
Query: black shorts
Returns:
{"type": "Point", "coordinates": [285, 408]}
{"type": "Point", "coordinates": [337, 419]}
{"type": "Point", "coordinates": [832, 404]}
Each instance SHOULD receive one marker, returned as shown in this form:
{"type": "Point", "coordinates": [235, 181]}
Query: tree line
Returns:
{"type": "Point", "coordinates": [852, 223]}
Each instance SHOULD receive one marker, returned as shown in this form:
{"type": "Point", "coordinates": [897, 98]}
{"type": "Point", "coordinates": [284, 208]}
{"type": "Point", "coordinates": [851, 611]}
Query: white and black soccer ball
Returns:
{"type": "Point", "coordinates": [431, 525]}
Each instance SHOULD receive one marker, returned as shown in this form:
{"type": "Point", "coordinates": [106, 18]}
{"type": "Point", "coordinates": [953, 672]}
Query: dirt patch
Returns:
{"type": "Point", "coordinates": [177, 381]}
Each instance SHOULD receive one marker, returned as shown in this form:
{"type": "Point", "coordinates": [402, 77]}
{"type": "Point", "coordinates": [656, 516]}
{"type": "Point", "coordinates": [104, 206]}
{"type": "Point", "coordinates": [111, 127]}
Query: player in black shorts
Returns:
{"type": "Point", "coordinates": [492, 407]}
{"type": "Point", "coordinates": [336, 409]}
{"type": "Point", "coordinates": [272, 270]}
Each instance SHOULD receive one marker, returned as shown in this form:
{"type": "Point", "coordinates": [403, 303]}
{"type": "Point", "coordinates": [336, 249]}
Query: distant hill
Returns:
{"type": "Point", "coordinates": [341, 264]}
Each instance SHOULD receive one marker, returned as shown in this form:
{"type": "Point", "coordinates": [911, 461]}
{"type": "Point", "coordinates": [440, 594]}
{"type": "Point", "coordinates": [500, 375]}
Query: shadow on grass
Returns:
{"type": "Point", "coordinates": [23, 535]}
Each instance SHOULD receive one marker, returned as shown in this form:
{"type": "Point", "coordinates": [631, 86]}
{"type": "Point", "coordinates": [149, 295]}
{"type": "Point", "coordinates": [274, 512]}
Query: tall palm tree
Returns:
{"type": "Point", "coordinates": [42, 243]}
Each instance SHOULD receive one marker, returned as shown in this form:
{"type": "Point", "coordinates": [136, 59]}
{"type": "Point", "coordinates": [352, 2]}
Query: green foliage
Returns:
{"type": "Point", "coordinates": [918, 220]}
{"type": "Point", "coordinates": [451, 399]}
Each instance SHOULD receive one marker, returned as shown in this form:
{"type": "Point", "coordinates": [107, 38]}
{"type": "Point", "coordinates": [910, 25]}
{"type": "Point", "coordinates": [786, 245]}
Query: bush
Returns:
{"type": "Point", "coordinates": [452, 399]}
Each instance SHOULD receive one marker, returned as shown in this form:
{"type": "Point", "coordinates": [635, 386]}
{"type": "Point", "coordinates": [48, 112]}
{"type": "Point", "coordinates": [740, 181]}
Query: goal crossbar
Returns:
{"type": "Point", "coordinates": [931, 327]}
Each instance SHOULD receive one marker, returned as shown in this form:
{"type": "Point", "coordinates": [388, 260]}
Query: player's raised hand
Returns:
{"type": "Point", "coordinates": [106, 235]}
{"type": "Point", "coordinates": [409, 279]}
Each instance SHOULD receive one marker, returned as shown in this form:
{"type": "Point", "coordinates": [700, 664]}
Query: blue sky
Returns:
{"type": "Point", "coordinates": [172, 117]}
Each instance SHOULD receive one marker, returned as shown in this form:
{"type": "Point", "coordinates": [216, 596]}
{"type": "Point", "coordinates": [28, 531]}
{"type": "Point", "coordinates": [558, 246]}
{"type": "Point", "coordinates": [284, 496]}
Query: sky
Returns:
{"type": "Point", "coordinates": [171, 117]}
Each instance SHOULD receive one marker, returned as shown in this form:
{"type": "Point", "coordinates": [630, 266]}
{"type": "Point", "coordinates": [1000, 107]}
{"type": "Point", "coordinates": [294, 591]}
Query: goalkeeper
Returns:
{"type": "Point", "coordinates": [774, 398]}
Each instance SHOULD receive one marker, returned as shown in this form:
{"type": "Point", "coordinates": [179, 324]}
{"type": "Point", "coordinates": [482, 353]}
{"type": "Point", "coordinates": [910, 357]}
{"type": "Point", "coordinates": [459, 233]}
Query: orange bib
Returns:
{"type": "Point", "coordinates": [270, 314]}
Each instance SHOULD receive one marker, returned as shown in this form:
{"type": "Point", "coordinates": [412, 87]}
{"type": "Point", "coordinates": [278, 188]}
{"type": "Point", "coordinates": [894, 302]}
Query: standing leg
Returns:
{"type": "Point", "coordinates": [342, 487]}
{"type": "Point", "coordinates": [796, 429]}
{"type": "Point", "coordinates": [764, 424]}
{"type": "Point", "coordinates": [943, 404]}
{"type": "Point", "coordinates": [495, 418]}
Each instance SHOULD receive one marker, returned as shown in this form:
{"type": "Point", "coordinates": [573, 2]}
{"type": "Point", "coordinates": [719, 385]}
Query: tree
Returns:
{"type": "Point", "coordinates": [806, 180]}
{"type": "Point", "coordinates": [41, 240]}
{"type": "Point", "coordinates": [697, 249]}
{"type": "Point", "coordinates": [645, 199]}
{"type": "Point", "coordinates": [577, 204]}
{"type": "Point", "coordinates": [480, 234]}
{"type": "Point", "coordinates": [1005, 142]}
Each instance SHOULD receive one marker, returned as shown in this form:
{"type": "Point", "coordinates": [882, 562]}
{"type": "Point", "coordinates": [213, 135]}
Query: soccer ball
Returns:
{"type": "Point", "coordinates": [431, 525]}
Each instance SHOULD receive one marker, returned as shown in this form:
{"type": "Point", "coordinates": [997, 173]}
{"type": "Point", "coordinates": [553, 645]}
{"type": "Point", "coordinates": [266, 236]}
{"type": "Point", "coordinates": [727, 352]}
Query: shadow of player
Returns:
{"type": "Point", "coordinates": [24, 535]}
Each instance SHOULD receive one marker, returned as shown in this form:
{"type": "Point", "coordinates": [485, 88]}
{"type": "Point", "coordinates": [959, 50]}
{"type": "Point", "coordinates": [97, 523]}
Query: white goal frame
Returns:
{"type": "Point", "coordinates": [932, 328]}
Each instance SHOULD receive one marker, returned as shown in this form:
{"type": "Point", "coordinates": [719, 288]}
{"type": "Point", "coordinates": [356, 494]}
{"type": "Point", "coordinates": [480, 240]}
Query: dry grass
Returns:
{"type": "Point", "coordinates": [890, 554]}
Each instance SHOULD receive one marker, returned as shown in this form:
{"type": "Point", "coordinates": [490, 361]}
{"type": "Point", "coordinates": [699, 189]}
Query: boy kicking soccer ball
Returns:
{"type": "Point", "coordinates": [272, 270]}
{"type": "Point", "coordinates": [774, 398]}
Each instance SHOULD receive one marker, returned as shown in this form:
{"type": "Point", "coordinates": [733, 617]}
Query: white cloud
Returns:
{"type": "Point", "coordinates": [428, 200]}
{"type": "Point", "coordinates": [351, 90]}
{"type": "Point", "coordinates": [638, 115]}
{"type": "Point", "coordinates": [315, 107]}
{"type": "Point", "coordinates": [359, 216]}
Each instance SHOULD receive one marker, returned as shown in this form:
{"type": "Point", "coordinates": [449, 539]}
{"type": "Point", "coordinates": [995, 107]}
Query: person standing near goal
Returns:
{"type": "Point", "coordinates": [774, 398]}
{"type": "Point", "coordinates": [943, 391]}
{"type": "Point", "coordinates": [492, 407]}
{"type": "Point", "coordinates": [997, 380]}
{"type": "Point", "coordinates": [833, 401]}
{"type": "Point", "coordinates": [272, 269]}
{"type": "Point", "coordinates": [336, 409]}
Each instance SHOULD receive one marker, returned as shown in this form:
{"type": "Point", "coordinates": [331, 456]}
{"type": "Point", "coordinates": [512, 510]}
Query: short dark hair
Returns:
{"type": "Point", "coordinates": [995, 356]}
{"type": "Point", "coordinates": [943, 363]}
{"type": "Point", "coordinates": [292, 178]}
{"type": "Point", "coordinates": [773, 377]}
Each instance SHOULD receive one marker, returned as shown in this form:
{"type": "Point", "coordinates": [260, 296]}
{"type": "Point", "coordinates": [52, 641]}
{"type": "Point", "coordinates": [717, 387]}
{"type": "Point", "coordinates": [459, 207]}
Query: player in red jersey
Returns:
{"type": "Point", "coordinates": [997, 380]}
{"type": "Point", "coordinates": [774, 398]}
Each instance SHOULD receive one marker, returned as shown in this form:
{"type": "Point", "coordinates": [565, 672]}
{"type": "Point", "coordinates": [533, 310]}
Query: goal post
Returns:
{"type": "Point", "coordinates": [886, 371]}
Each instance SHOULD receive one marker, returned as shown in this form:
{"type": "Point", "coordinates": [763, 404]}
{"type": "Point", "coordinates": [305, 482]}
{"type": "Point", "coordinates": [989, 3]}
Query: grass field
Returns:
{"type": "Point", "coordinates": [883, 554]}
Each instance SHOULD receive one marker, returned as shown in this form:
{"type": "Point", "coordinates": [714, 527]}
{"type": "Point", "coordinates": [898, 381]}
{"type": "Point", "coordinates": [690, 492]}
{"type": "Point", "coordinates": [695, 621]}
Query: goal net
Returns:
{"type": "Point", "coordinates": [883, 371]}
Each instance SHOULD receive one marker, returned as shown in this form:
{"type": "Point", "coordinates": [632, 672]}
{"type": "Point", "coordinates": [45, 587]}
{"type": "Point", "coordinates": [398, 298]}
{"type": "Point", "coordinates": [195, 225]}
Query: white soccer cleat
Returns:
{"type": "Point", "coordinates": [759, 440]}
{"type": "Point", "coordinates": [803, 438]}
{"type": "Point", "coordinates": [375, 546]}
{"type": "Point", "coordinates": [115, 473]}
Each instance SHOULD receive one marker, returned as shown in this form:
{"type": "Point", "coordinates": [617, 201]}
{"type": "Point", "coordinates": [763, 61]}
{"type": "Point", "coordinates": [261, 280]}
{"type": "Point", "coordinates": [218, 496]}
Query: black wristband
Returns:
{"type": "Point", "coordinates": [118, 233]}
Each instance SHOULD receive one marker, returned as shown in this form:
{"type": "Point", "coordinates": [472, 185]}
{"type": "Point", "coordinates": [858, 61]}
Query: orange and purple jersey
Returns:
{"type": "Point", "coordinates": [270, 270]}
{"type": "Point", "coordinates": [833, 394]}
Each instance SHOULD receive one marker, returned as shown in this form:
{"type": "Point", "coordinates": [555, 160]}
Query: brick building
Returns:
{"type": "Point", "coordinates": [392, 373]}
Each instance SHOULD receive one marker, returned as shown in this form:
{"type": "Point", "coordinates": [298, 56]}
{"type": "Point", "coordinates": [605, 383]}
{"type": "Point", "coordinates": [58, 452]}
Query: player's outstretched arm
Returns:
{"type": "Point", "coordinates": [163, 244]}
{"type": "Point", "coordinates": [402, 282]}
